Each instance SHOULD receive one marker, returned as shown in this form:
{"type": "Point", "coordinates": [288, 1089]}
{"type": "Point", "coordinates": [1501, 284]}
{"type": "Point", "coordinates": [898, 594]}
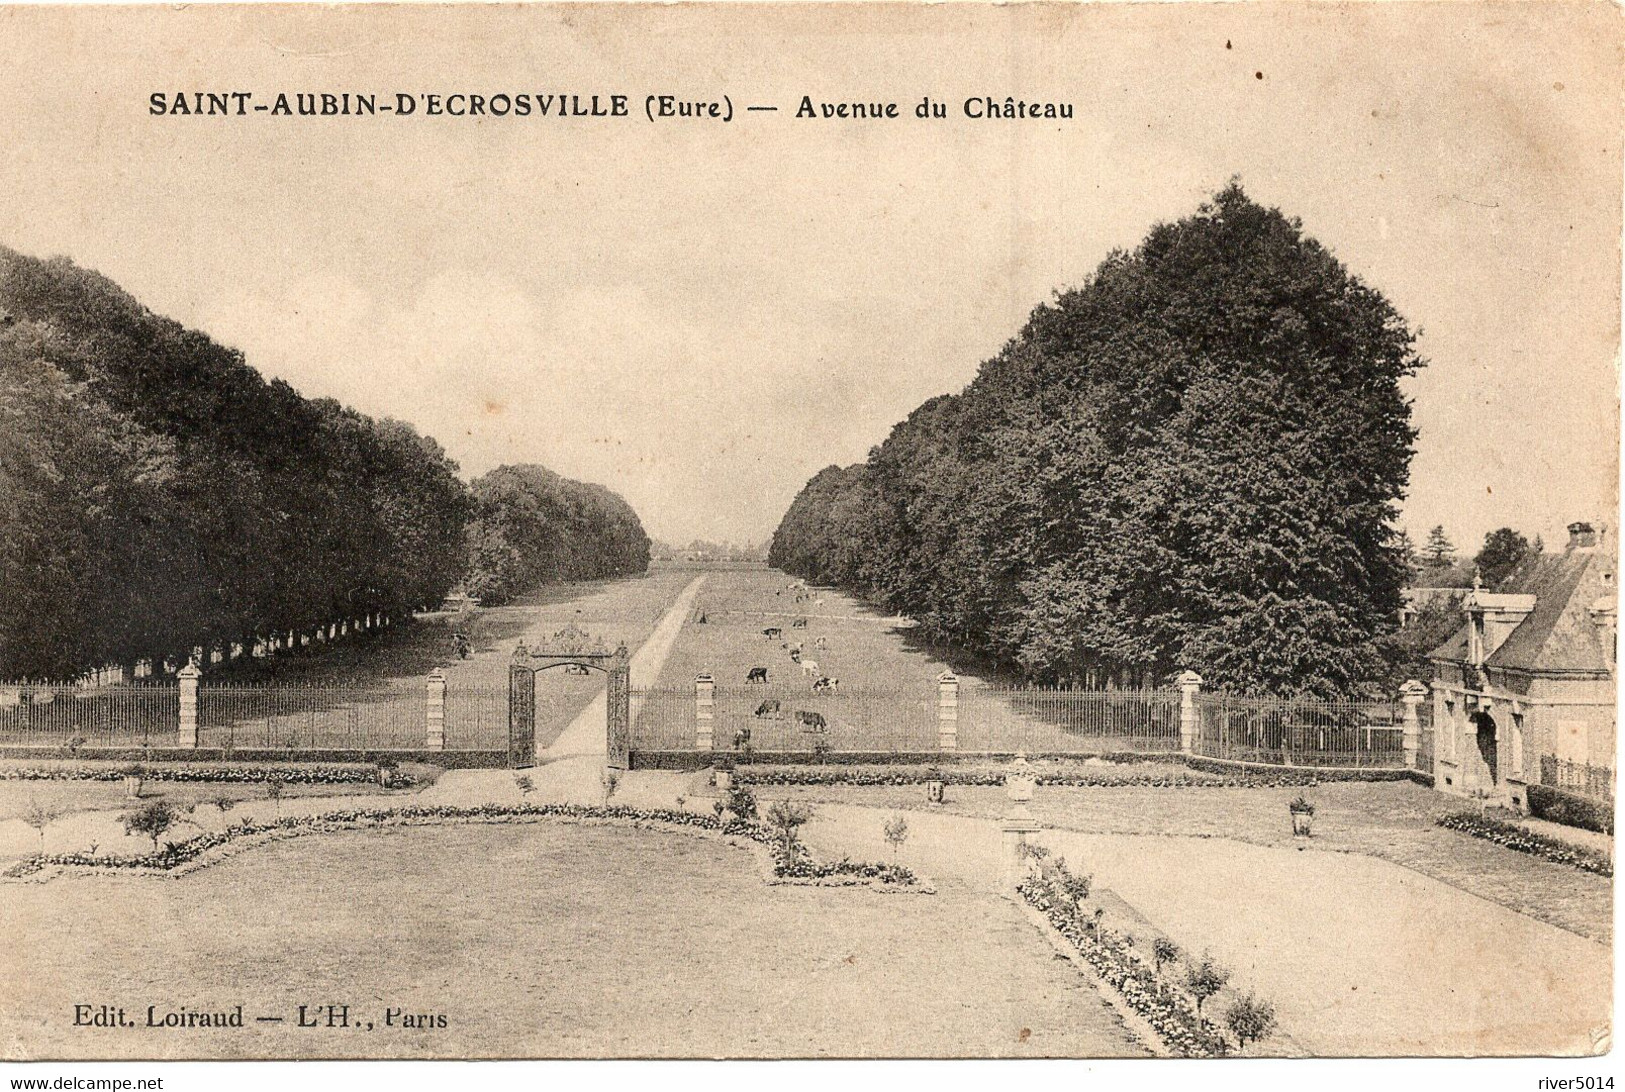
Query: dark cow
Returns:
{"type": "Point", "coordinates": [769, 708]}
{"type": "Point", "coordinates": [799, 623]}
{"type": "Point", "coordinates": [827, 683]}
{"type": "Point", "coordinates": [575, 669]}
{"type": "Point", "coordinates": [757, 675]}
{"type": "Point", "coordinates": [742, 738]}
{"type": "Point", "coordinates": [811, 722]}
{"type": "Point", "coordinates": [772, 632]}
{"type": "Point", "coordinates": [795, 655]}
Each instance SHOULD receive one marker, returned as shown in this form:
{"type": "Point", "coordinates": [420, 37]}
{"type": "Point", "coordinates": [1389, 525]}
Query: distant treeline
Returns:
{"type": "Point", "coordinates": [157, 494]}
{"type": "Point", "coordinates": [1191, 461]}
{"type": "Point", "coordinates": [534, 527]}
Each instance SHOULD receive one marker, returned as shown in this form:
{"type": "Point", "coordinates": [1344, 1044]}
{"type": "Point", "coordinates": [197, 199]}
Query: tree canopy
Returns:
{"type": "Point", "coordinates": [158, 494]}
{"type": "Point", "coordinates": [534, 527]}
{"type": "Point", "coordinates": [1192, 460]}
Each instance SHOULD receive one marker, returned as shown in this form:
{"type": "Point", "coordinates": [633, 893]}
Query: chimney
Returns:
{"type": "Point", "coordinates": [1582, 536]}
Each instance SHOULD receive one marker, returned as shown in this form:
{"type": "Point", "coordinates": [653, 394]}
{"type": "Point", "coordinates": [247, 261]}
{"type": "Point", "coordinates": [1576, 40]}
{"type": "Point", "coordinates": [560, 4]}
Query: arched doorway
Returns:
{"type": "Point", "coordinates": [1487, 745]}
{"type": "Point", "coordinates": [569, 646]}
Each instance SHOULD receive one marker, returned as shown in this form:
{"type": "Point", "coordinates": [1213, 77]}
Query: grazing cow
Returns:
{"type": "Point", "coordinates": [575, 669]}
{"type": "Point", "coordinates": [772, 632]}
{"type": "Point", "coordinates": [809, 667]}
{"type": "Point", "coordinates": [757, 675]}
{"type": "Point", "coordinates": [799, 623]}
{"type": "Point", "coordinates": [742, 738]}
{"type": "Point", "coordinates": [795, 657]}
{"type": "Point", "coordinates": [820, 642]}
{"type": "Point", "coordinates": [769, 708]}
{"type": "Point", "coordinates": [826, 683]}
{"type": "Point", "coordinates": [811, 722]}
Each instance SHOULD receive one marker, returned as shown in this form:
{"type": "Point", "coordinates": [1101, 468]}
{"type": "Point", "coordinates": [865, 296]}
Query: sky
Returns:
{"type": "Point", "coordinates": [701, 315]}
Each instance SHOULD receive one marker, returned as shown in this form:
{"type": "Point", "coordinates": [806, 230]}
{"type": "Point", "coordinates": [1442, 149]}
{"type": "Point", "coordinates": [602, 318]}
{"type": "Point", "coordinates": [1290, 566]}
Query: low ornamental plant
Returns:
{"type": "Point", "coordinates": [896, 832]}
{"type": "Point", "coordinates": [39, 817]}
{"type": "Point", "coordinates": [791, 860]}
{"type": "Point", "coordinates": [154, 821]}
{"type": "Point", "coordinates": [1515, 837]}
{"type": "Point", "coordinates": [1205, 978]}
{"type": "Point", "coordinates": [787, 817]}
{"type": "Point", "coordinates": [1249, 1019]}
{"type": "Point", "coordinates": [1164, 951]}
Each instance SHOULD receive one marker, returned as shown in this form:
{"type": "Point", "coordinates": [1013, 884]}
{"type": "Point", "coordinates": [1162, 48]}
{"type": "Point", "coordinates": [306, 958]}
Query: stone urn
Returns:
{"type": "Point", "coordinates": [934, 792]}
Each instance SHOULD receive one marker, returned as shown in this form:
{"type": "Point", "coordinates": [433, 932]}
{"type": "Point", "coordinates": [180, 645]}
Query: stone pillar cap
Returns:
{"type": "Point", "coordinates": [1189, 678]}
{"type": "Point", "coordinates": [190, 671]}
{"type": "Point", "coordinates": [705, 676]}
{"type": "Point", "coordinates": [947, 676]}
{"type": "Point", "coordinates": [1413, 689]}
{"type": "Point", "coordinates": [437, 673]}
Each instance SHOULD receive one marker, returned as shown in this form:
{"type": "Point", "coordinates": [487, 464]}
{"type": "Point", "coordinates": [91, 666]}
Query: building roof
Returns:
{"type": "Point", "coordinates": [1559, 634]}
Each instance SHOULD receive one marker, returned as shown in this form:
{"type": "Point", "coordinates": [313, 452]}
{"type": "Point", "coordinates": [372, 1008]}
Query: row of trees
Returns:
{"type": "Point", "coordinates": [534, 527]}
{"type": "Point", "coordinates": [157, 494]}
{"type": "Point", "coordinates": [1193, 460]}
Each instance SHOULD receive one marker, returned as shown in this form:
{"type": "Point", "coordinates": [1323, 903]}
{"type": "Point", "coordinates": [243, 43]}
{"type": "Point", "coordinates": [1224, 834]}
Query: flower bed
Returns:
{"type": "Point", "coordinates": [789, 866]}
{"type": "Point", "coordinates": [1075, 777]}
{"type": "Point", "coordinates": [1172, 1015]}
{"type": "Point", "coordinates": [287, 774]}
{"type": "Point", "coordinates": [1524, 841]}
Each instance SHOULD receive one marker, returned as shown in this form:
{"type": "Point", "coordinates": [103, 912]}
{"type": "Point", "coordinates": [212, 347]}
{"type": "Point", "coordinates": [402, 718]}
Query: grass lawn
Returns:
{"type": "Point", "coordinates": [887, 699]}
{"type": "Point", "coordinates": [537, 941]}
{"type": "Point", "coordinates": [1392, 821]}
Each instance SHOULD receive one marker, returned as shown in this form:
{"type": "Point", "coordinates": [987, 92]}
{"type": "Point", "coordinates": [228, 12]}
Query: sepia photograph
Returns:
{"type": "Point", "coordinates": [809, 531]}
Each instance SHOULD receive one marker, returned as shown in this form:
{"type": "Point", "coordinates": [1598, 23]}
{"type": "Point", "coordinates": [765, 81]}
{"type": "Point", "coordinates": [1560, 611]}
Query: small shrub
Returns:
{"type": "Point", "coordinates": [39, 817]}
{"type": "Point", "coordinates": [741, 802]}
{"type": "Point", "coordinates": [224, 803]}
{"type": "Point", "coordinates": [275, 788]}
{"type": "Point", "coordinates": [526, 785]}
{"type": "Point", "coordinates": [1204, 979]}
{"type": "Point", "coordinates": [787, 817]}
{"type": "Point", "coordinates": [154, 821]}
{"type": "Point", "coordinates": [1250, 1019]}
{"type": "Point", "coordinates": [612, 781]}
{"type": "Point", "coordinates": [896, 832]}
{"type": "Point", "coordinates": [1163, 951]}
{"type": "Point", "coordinates": [1075, 885]}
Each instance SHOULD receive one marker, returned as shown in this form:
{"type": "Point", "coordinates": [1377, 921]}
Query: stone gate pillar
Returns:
{"type": "Point", "coordinates": [705, 700]}
{"type": "Point", "coordinates": [521, 715]}
{"type": "Point", "coordinates": [947, 711]}
{"type": "Point", "coordinates": [1413, 693]}
{"type": "Point", "coordinates": [188, 676]}
{"type": "Point", "coordinates": [1190, 720]}
{"type": "Point", "coordinates": [435, 739]}
{"type": "Point", "coordinates": [618, 698]}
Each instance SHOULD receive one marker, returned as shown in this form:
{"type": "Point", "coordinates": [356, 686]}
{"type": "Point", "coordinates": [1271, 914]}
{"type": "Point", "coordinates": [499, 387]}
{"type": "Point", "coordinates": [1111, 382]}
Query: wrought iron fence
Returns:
{"type": "Point", "coordinates": [1041, 720]}
{"type": "Point", "coordinates": [312, 717]}
{"type": "Point", "coordinates": [71, 716]}
{"type": "Point", "coordinates": [1596, 782]}
{"type": "Point", "coordinates": [476, 717]}
{"type": "Point", "coordinates": [1301, 733]}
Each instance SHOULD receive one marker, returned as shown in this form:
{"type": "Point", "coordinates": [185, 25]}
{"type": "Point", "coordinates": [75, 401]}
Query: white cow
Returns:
{"type": "Point", "coordinates": [809, 667]}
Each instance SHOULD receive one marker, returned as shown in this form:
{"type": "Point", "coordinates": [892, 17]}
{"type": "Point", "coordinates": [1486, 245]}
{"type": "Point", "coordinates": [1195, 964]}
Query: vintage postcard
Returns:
{"type": "Point", "coordinates": [1058, 531]}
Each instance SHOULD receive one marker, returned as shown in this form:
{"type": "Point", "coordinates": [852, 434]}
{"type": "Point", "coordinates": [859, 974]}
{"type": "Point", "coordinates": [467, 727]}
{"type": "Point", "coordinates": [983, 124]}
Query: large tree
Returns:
{"type": "Point", "coordinates": [1192, 460]}
{"type": "Point", "coordinates": [1503, 551]}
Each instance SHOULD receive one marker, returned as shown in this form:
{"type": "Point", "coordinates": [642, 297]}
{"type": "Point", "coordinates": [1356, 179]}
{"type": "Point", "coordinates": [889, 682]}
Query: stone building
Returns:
{"type": "Point", "coordinates": [1523, 692]}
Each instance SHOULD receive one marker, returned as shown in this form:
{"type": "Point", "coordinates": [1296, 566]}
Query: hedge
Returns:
{"type": "Point", "coordinates": [1570, 809]}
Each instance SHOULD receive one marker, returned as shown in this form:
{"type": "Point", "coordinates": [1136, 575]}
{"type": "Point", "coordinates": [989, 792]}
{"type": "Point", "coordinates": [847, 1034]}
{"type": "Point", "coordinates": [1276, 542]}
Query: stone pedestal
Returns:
{"type": "Point", "coordinates": [1018, 824]}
